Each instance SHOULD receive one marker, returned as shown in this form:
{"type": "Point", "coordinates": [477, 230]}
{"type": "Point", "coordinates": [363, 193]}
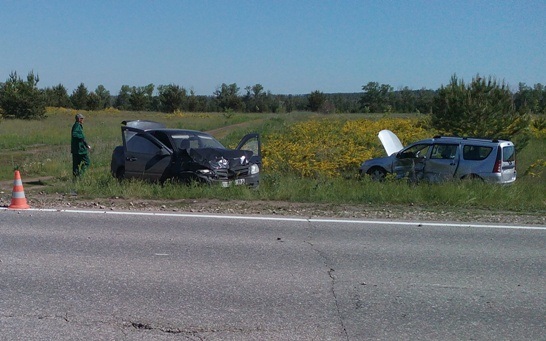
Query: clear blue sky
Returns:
{"type": "Point", "coordinates": [289, 47]}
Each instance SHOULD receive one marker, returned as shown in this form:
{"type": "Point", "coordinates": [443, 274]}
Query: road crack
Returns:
{"type": "Point", "coordinates": [332, 277]}
{"type": "Point", "coordinates": [190, 332]}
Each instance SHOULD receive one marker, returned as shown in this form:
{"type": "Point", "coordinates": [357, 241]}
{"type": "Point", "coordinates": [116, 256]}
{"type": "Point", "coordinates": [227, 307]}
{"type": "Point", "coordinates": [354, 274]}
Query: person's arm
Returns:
{"type": "Point", "coordinates": [77, 133]}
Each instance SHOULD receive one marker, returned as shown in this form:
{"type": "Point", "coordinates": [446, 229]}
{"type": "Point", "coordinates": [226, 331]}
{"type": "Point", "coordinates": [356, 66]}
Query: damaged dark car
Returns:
{"type": "Point", "coordinates": [151, 151]}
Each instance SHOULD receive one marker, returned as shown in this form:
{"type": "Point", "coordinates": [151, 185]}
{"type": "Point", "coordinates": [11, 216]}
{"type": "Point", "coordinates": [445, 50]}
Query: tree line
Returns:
{"type": "Point", "coordinates": [483, 107]}
{"type": "Point", "coordinates": [21, 98]}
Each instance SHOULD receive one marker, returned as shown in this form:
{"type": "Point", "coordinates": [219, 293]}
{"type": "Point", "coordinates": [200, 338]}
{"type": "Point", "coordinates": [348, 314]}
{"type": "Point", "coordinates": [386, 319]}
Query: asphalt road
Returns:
{"type": "Point", "coordinates": [100, 276]}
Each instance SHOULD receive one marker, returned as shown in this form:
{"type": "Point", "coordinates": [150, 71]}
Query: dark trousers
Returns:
{"type": "Point", "coordinates": [80, 163]}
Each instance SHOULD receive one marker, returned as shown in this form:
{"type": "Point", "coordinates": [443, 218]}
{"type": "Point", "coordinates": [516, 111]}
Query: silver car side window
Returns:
{"type": "Point", "coordinates": [443, 151]}
{"type": "Point", "coordinates": [476, 153]}
{"type": "Point", "coordinates": [416, 151]}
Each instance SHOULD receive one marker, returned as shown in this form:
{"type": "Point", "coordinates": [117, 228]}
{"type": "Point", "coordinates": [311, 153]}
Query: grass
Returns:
{"type": "Point", "coordinates": [519, 197]}
{"type": "Point", "coordinates": [41, 150]}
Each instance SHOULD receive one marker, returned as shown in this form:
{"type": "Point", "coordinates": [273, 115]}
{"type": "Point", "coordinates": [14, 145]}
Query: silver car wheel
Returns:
{"type": "Point", "coordinates": [377, 174]}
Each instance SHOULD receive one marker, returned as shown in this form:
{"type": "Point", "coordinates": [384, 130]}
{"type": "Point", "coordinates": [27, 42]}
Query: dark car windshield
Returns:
{"type": "Point", "coordinates": [185, 140]}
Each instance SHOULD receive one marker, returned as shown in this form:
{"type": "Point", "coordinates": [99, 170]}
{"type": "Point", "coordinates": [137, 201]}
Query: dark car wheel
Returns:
{"type": "Point", "coordinates": [377, 173]}
{"type": "Point", "coordinates": [120, 173]}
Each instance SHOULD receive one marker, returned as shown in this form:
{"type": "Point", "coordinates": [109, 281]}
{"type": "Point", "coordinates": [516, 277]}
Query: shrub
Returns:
{"type": "Point", "coordinates": [22, 99]}
{"type": "Point", "coordinates": [483, 108]}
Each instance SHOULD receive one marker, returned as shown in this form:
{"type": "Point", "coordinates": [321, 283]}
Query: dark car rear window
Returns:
{"type": "Point", "coordinates": [476, 152]}
{"type": "Point", "coordinates": [508, 154]}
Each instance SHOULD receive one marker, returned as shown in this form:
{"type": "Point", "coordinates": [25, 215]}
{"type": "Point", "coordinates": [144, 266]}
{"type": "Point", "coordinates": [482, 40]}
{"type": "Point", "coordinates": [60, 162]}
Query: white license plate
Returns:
{"type": "Point", "coordinates": [235, 182]}
{"type": "Point", "coordinates": [240, 181]}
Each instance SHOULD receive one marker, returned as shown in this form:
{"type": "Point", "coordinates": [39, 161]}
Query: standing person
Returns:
{"type": "Point", "coordinates": [79, 148]}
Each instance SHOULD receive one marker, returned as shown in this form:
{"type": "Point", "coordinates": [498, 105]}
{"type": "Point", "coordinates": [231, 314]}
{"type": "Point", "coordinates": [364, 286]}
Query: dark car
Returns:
{"type": "Point", "coordinates": [153, 152]}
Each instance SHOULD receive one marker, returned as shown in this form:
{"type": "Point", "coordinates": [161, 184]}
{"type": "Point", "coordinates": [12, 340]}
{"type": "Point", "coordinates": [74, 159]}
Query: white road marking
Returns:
{"type": "Point", "coordinates": [314, 220]}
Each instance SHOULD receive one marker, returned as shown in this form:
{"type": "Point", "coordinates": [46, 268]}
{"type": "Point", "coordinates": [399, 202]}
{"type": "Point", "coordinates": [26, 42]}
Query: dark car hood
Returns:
{"type": "Point", "coordinates": [236, 158]}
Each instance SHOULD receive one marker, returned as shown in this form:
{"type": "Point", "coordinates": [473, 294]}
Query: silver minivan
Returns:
{"type": "Point", "coordinates": [443, 158]}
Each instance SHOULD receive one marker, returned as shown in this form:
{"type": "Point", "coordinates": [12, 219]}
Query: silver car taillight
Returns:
{"type": "Point", "coordinates": [498, 162]}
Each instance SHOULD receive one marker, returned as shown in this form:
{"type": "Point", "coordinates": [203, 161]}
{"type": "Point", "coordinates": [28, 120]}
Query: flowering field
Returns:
{"type": "Point", "coordinates": [306, 158]}
{"type": "Point", "coordinates": [332, 147]}
{"type": "Point", "coordinates": [538, 131]}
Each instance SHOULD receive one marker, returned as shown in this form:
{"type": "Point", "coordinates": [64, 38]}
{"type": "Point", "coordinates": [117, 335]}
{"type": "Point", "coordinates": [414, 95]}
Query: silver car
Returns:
{"type": "Point", "coordinates": [442, 158]}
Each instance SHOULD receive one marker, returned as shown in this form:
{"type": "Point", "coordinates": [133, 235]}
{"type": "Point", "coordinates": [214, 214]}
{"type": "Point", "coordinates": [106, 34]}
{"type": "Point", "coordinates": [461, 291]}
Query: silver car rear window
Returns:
{"type": "Point", "coordinates": [476, 153]}
{"type": "Point", "coordinates": [508, 154]}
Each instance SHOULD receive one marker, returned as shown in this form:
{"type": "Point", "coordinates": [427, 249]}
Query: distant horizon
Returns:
{"type": "Point", "coordinates": [242, 88]}
{"type": "Point", "coordinates": [289, 47]}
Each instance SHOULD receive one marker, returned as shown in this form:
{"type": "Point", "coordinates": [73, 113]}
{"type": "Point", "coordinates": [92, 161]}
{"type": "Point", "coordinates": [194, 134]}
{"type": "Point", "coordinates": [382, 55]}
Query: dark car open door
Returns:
{"type": "Point", "coordinates": [145, 156]}
{"type": "Point", "coordinates": [253, 143]}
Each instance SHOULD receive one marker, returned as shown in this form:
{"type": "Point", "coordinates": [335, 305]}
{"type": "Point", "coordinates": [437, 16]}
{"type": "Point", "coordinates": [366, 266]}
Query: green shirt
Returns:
{"type": "Point", "coordinates": [78, 144]}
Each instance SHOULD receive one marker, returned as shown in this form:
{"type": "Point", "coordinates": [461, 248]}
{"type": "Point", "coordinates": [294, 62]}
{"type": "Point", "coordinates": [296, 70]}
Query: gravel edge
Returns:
{"type": "Point", "coordinates": [41, 200]}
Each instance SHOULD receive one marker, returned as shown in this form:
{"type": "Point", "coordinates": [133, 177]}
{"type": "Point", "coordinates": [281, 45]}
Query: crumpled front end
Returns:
{"type": "Point", "coordinates": [382, 162]}
{"type": "Point", "coordinates": [225, 167]}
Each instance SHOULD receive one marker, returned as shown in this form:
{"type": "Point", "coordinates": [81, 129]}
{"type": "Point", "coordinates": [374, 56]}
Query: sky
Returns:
{"type": "Point", "coordinates": [289, 47]}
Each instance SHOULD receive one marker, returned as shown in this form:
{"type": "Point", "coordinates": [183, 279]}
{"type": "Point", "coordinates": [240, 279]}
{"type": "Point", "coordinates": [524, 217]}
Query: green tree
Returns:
{"type": "Point", "coordinates": [377, 98]}
{"type": "Point", "coordinates": [22, 99]}
{"type": "Point", "coordinates": [346, 103]}
{"type": "Point", "coordinates": [57, 96]}
{"type": "Point", "coordinates": [193, 101]}
{"type": "Point", "coordinates": [425, 100]}
{"type": "Point", "coordinates": [257, 100]}
{"type": "Point", "coordinates": [171, 98]}
{"type": "Point", "coordinates": [227, 97]}
{"type": "Point", "coordinates": [105, 100]}
{"type": "Point", "coordinates": [316, 100]}
{"type": "Point", "coordinates": [93, 101]}
{"type": "Point", "coordinates": [122, 99]}
{"type": "Point", "coordinates": [483, 108]}
{"type": "Point", "coordinates": [197, 103]}
{"type": "Point", "coordinates": [140, 98]}
{"type": "Point", "coordinates": [80, 97]}
{"type": "Point", "coordinates": [405, 100]}
{"type": "Point", "coordinates": [532, 99]}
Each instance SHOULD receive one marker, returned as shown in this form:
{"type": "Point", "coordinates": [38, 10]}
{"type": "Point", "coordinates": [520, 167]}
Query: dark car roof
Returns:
{"type": "Point", "coordinates": [156, 126]}
{"type": "Point", "coordinates": [185, 131]}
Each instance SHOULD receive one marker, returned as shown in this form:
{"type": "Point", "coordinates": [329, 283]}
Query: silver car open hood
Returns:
{"type": "Point", "coordinates": [390, 142]}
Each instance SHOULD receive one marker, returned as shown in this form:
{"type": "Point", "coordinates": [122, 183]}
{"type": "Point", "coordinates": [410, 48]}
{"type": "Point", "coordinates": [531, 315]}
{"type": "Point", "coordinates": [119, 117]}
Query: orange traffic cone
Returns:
{"type": "Point", "coordinates": [18, 200]}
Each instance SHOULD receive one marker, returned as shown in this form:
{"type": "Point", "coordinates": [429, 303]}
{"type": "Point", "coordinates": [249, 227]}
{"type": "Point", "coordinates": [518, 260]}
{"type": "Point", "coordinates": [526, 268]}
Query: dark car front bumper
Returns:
{"type": "Point", "coordinates": [250, 181]}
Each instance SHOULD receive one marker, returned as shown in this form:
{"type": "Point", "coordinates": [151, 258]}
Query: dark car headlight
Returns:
{"type": "Point", "coordinates": [254, 169]}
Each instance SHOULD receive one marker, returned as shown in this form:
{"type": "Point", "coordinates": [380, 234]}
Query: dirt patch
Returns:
{"type": "Point", "coordinates": [222, 132]}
